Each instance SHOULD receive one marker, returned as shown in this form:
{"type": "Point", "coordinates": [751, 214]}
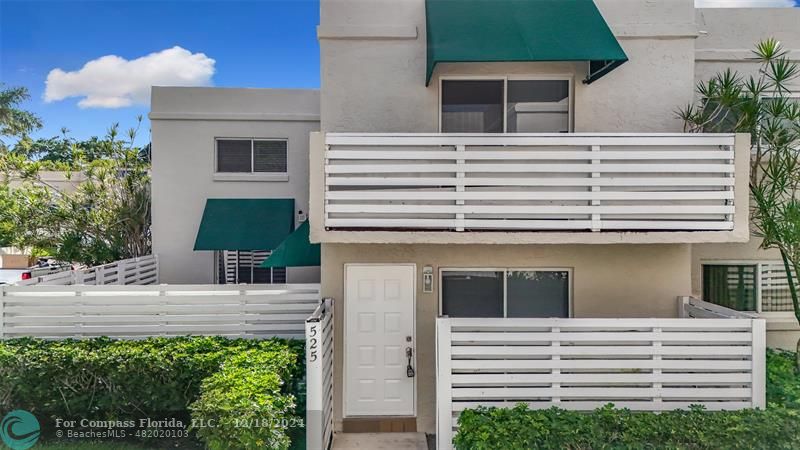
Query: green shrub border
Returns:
{"type": "Point", "coordinates": [518, 428]}
{"type": "Point", "coordinates": [223, 380]}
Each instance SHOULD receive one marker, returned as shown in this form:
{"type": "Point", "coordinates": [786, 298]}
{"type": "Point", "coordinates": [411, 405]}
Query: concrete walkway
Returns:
{"type": "Point", "coordinates": [380, 441]}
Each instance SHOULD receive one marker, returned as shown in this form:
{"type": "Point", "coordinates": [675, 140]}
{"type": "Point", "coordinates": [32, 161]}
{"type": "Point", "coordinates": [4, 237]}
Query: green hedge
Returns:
{"type": "Point", "coordinates": [245, 402]}
{"type": "Point", "coordinates": [777, 427]}
{"type": "Point", "coordinates": [106, 379]}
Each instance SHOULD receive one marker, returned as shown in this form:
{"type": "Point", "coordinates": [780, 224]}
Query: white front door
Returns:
{"type": "Point", "coordinates": [379, 330]}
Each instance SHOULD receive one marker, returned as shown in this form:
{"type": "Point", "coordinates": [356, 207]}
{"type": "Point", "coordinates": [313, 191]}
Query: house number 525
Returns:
{"type": "Point", "coordinates": [313, 343]}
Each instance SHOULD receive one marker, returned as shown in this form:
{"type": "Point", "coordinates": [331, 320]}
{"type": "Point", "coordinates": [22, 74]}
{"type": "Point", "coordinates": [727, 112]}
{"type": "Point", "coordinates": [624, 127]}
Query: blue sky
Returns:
{"type": "Point", "coordinates": [252, 43]}
{"type": "Point", "coordinates": [258, 43]}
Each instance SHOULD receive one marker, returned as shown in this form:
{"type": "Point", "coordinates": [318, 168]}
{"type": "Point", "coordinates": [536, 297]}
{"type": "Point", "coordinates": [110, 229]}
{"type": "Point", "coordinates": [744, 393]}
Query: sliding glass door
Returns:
{"type": "Point", "coordinates": [505, 292]}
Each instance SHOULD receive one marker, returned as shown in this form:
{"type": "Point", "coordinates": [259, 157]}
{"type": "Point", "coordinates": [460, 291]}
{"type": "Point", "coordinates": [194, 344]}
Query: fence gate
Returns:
{"type": "Point", "coordinates": [319, 377]}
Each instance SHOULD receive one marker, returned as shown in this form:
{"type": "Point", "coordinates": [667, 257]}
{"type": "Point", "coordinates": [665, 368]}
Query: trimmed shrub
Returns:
{"type": "Point", "coordinates": [244, 404]}
{"type": "Point", "coordinates": [783, 381]}
{"type": "Point", "coordinates": [158, 378]}
{"type": "Point", "coordinates": [518, 428]}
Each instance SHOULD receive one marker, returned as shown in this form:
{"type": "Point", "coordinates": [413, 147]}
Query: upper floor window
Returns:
{"type": "Point", "coordinates": [505, 106]}
{"type": "Point", "coordinates": [251, 156]}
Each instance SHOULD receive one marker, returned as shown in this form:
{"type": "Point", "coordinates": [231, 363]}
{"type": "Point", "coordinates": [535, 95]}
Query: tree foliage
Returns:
{"type": "Point", "coordinates": [763, 105]}
{"type": "Point", "coordinates": [105, 218]}
{"type": "Point", "coordinates": [14, 121]}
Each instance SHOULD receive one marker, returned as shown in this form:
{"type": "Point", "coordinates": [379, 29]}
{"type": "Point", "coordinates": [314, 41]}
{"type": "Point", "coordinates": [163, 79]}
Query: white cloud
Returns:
{"type": "Point", "coordinates": [743, 3]}
{"type": "Point", "coordinates": [114, 82]}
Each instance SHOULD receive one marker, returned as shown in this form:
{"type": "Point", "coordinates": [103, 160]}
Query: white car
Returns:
{"type": "Point", "coordinates": [45, 267]}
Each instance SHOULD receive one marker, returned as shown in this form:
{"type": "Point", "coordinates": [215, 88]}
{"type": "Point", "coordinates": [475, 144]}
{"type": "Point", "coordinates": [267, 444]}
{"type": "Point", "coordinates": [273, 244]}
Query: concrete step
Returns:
{"type": "Point", "coordinates": [380, 441]}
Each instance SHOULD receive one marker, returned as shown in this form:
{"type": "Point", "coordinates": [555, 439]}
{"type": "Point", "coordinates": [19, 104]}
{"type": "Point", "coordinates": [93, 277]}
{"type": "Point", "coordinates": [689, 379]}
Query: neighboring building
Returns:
{"type": "Point", "coordinates": [230, 181]}
{"type": "Point", "coordinates": [59, 181]}
{"type": "Point", "coordinates": [472, 164]}
{"type": "Point", "coordinates": [756, 278]}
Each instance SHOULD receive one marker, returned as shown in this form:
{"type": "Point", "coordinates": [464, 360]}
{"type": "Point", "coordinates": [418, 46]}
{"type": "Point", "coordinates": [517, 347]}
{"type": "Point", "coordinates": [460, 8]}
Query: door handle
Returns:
{"type": "Point", "coordinates": [409, 370]}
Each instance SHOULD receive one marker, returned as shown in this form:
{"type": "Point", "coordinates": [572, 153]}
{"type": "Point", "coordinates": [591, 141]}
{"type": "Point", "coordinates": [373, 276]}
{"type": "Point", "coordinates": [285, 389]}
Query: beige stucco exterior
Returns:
{"type": "Point", "coordinates": [726, 41]}
{"type": "Point", "coordinates": [373, 58]}
{"type": "Point", "coordinates": [619, 281]}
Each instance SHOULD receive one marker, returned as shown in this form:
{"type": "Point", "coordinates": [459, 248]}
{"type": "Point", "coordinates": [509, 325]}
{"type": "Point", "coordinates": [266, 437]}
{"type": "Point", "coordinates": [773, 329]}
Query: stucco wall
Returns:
{"type": "Point", "coordinates": [619, 281]}
{"type": "Point", "coordinates": [185, 123]}
{"type": "Point", "coordinates": [373, 56]}
{"type": "Point", "coordinates": [727, 37]}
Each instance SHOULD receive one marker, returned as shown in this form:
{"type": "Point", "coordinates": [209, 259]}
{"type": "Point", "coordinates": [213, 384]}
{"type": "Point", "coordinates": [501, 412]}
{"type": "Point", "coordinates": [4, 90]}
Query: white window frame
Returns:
{"type": "Point", "coordinates": [748, 262]}
{"type": "Point", "coordinates": [505, 271]}
{"type": "Point", "coordinates": [251, 176]}
{"type": "Point", "coordinates": [505, 79]}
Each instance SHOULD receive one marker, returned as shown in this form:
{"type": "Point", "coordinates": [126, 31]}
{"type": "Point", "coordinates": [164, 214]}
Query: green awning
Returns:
{"type": "Point", "coordinates": [520, 30]}
{"type": "Point", "coordinates": [295, 251]}
{"type": "Point", "coordinates": [245, 224]}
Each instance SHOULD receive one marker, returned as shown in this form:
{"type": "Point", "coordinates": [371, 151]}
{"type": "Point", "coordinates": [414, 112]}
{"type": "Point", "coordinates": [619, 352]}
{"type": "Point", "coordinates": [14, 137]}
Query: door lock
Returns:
{"type": "Point", "coordinates": [409, 370]}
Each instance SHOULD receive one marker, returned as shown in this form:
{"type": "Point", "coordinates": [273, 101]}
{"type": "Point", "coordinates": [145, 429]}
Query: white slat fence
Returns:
{"type": "Point", "coordinates": [587, 182]}
{"type": "Point", "coordinates": [248, 311]}
{"type": "Point", "coordinates": [694, 308]}
{"type": "Point", "coordinates": [319, 377]}
{"type": "Point", "coordinates": [583, 364]}
{"type": "Point", "coordinates": [134, 271]}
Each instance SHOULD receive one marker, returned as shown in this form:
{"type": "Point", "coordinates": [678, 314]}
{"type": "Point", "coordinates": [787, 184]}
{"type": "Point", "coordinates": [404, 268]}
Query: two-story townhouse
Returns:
{"type": "Point", "coordinates": [230, 181]}
{"type": "Point", "coordinates": [479, 158]}
{"type": "Point", "coordinates": [515, 159]}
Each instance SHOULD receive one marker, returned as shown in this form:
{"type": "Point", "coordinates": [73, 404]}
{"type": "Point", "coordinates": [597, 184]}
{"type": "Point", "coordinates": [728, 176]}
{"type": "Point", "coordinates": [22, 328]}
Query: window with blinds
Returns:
{"type": "Point", "coordinates": [243, 267]}
{"type": "Point", "coordinates": [251, 156]}
{"type": "Point", "coordinates": [731, 286]}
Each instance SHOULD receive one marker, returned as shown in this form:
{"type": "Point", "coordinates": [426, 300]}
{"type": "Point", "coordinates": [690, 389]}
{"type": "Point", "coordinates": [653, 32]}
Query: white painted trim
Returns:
{"type": "Point", "coordinates": [367, 32]}
{"type": "Point", "coordinates": [248, 117]}
{"type": "Point", "coordinates": [413, 331]}
{"type": "Point", "coordinates": [444, 384]}
{"type": "Point", "coordinates": [759, 360]}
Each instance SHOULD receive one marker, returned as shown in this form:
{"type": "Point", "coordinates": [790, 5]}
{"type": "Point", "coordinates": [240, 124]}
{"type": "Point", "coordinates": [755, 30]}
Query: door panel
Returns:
{"type": "Point", "coordinates": [379, 316]}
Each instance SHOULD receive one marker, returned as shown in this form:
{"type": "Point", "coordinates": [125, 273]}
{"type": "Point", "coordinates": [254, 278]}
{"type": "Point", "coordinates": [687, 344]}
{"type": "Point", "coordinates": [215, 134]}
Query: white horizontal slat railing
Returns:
{"type": "Point", "coordinates": [249, 311]}
{"type": "Point", "coordinates": [695, 308]}
{"type": "Point", "coordinates": [583, 364]}
{"type": "Point", "coordinates": [578, 182]}
{"type": "Point", "coordinates": [139, 271]}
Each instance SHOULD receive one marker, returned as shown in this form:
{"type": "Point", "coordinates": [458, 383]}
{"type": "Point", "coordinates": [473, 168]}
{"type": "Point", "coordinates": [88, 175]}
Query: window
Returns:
{"type": "Point", "coordinates": [242, 267]}
{"type": "Point", "coordinates": [505, 293]}
{"type": "Point", "coordinates": [731, 286]}
{"type": "Point", "coordinates": [760, 286]}
{"type": "Point", "coordinates": [503, 105]}
{"type": "Point", "coordinates": [253, 156]}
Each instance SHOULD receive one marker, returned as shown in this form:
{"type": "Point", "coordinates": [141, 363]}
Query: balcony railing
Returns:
{"type": "Point", "coordinates": [519, 182]}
